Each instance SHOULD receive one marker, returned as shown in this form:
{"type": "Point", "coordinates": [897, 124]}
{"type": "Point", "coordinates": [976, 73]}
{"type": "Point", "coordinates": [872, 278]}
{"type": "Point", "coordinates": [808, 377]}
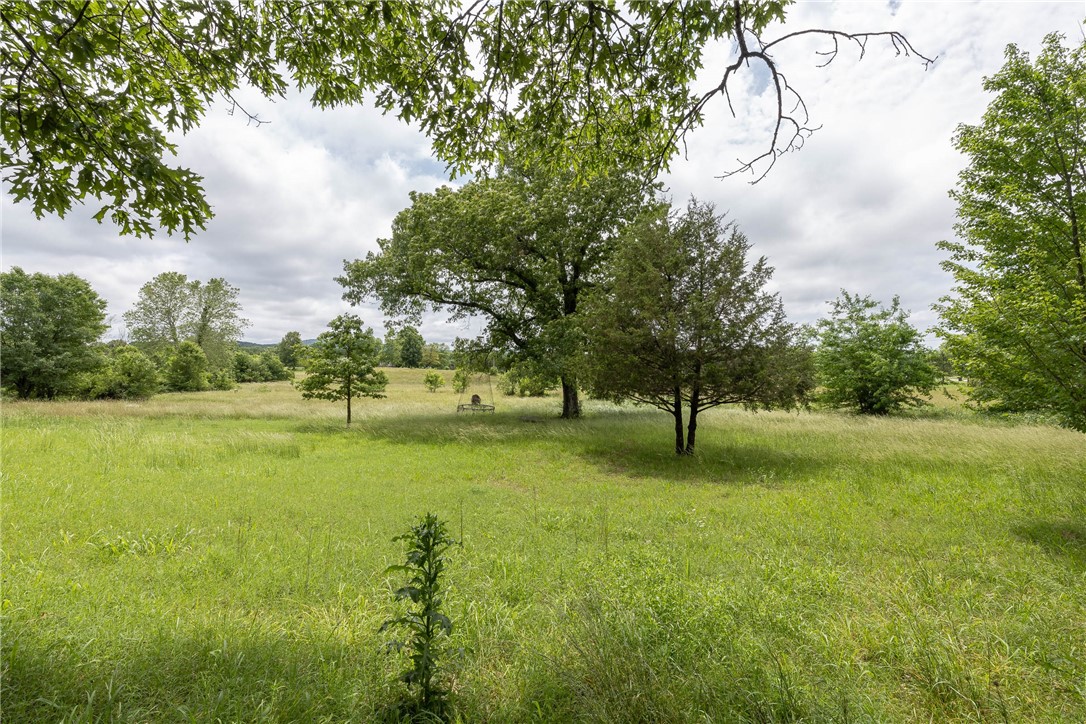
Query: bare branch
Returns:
{"type": "Point", "coordinates": [791, 128]}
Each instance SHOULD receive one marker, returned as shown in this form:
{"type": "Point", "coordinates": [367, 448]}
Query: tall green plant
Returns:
{"type": "Point", "coordinates": [424, 624]}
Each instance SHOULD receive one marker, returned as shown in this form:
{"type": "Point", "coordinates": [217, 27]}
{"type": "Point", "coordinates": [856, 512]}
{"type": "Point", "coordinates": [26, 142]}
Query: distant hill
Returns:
{"type": "Point", "coordinates": [256, 346]}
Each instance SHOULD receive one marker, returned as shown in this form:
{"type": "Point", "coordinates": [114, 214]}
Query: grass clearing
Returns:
{"type": "Point", "coordinates": [221, 556]}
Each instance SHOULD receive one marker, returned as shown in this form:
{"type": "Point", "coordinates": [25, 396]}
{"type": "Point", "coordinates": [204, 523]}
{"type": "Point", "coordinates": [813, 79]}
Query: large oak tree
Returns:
{"type": "Point", "coordinates": [518, 250]}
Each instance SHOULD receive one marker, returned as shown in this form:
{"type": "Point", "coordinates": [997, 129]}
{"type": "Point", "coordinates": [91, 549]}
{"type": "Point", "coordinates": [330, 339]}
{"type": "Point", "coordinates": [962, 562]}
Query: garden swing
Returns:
{"type": "Point", "coordinates": [476, 403]}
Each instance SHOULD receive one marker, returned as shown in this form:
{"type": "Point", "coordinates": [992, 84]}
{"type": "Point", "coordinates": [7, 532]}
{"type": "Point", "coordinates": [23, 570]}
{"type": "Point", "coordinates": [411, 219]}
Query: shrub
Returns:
{"type": "Point", "coordinates": [187, 369]}
{"type": "Point", "coordinates": [133, 374]}
{"type": "Point", "coordinates": [274, 369]}
{"type": "Point", "coordinates": [870, 359]}
{"type": "Point", "coordinates": [125, 374]}
{"type": "Point", "coordinates": [222, 379]}
{"type": "Point", "coordinates": [433, 381]}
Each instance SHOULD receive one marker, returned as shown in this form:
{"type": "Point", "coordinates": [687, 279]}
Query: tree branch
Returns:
{"type": "Point", "coordinates": [796, 119]}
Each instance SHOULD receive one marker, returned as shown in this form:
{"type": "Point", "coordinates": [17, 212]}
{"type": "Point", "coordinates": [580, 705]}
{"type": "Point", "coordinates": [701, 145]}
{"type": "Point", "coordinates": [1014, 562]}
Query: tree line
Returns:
{"type": "Point", "coordinates": [181, 336]}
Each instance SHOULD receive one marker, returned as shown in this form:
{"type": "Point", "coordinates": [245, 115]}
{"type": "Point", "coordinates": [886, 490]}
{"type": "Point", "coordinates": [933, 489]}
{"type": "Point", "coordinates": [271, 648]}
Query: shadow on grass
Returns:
{"type": "Point", "coordinates": [1061, 539]}
{"type": "Point", "coordinates": [221, 676]}
{"type": "Point", "coordinates": [628, 443]}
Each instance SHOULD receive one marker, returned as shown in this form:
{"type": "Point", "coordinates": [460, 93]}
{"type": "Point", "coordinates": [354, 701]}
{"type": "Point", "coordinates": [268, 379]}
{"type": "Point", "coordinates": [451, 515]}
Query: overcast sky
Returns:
{"type": "Point", "coordinates": [860, 207]}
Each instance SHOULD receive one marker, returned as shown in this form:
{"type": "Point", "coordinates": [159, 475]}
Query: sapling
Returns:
{"type": "Point", "coordinates": [433, 381]}
{"type": "Point", "coordinates": [461, 379]}
{"type": "Point", "coordinates": [424, 623]}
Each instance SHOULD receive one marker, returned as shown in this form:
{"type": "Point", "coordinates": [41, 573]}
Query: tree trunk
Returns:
{"type": "Point", "coordinates": [693, 426]}
{"type": "Point", "coordinates": [677, 411]}
{"type": "Point", "coordinates": [571, 403]}
{"type": "Point", "coordinates": [348, 400]}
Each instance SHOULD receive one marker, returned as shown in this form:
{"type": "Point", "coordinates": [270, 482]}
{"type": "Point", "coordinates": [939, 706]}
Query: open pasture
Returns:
{"type": "Point", "coordinates": [221, 557]}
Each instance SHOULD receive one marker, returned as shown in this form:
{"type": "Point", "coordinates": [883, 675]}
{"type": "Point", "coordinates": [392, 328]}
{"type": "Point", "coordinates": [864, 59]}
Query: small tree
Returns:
{"type": "Point", "coordinates": [411, 345]}
{"type": "Point", "coordinates": [187, 369]}
{"type": "Point", "coordinates": [341, 364]}
{"type": "Point", "coordinates": [461, 379]}
{"type": "Point", "coordinates": [870, 359]}
{"type": "Point", "coordinates": [433, 381]}
{"type": "Point", "coordinates": [287, 349]}
{"type": "Point", "coordinates": [686, 322]}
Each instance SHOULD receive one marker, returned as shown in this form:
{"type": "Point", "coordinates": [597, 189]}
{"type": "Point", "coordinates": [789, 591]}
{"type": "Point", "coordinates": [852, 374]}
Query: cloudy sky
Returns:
{"type": "Point", "coordinates": [860, 207]}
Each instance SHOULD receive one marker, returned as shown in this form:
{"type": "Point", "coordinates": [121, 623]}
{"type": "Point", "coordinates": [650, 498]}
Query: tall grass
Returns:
{"type": "Point", "coordinates": [222, 555]}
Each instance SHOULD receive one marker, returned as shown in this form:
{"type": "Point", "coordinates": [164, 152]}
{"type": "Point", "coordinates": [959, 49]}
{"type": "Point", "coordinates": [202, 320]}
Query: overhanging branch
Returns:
{"type": "Point", "coordinates": [792, 127]}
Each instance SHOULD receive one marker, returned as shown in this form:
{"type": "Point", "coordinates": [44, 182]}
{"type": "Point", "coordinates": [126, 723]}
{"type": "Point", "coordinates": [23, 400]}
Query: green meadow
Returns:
{"type": "Point", "coordinates": [221, 556]}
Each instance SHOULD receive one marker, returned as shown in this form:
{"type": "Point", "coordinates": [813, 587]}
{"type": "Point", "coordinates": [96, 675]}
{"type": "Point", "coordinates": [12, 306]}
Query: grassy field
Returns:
{"type": "Point", "coordinates": [221, 557]}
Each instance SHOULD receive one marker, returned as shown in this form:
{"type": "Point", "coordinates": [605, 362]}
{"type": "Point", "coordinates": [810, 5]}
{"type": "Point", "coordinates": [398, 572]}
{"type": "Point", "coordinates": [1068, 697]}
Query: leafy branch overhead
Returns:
{"type": "Point", "coordinates": [92, 90]}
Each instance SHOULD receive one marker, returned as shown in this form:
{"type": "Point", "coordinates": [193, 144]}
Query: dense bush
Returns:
{"type": "Point", "coordinates": [870, 359]}
{"type": "Point", "coordinates": [187, 369]}
{"type": "Point", "coordinates": [265, 367]}
{"type": "Point", "coordinates": [222, 379]}
{"type": "Point", "coordinates": [125, 374]}
{"type": "Point", "coordinates": [132, 374]}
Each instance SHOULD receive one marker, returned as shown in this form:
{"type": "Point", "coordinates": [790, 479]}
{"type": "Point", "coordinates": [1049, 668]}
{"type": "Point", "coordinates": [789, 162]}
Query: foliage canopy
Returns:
{"type": "Point", "coordinates": [92, 89]}
{"type": "Point", "coordinates": [518, 249]}
{"type": "Point", "coordinates": [1016, 325]}
{"type": "Point", "coordinates": [47, 328]}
